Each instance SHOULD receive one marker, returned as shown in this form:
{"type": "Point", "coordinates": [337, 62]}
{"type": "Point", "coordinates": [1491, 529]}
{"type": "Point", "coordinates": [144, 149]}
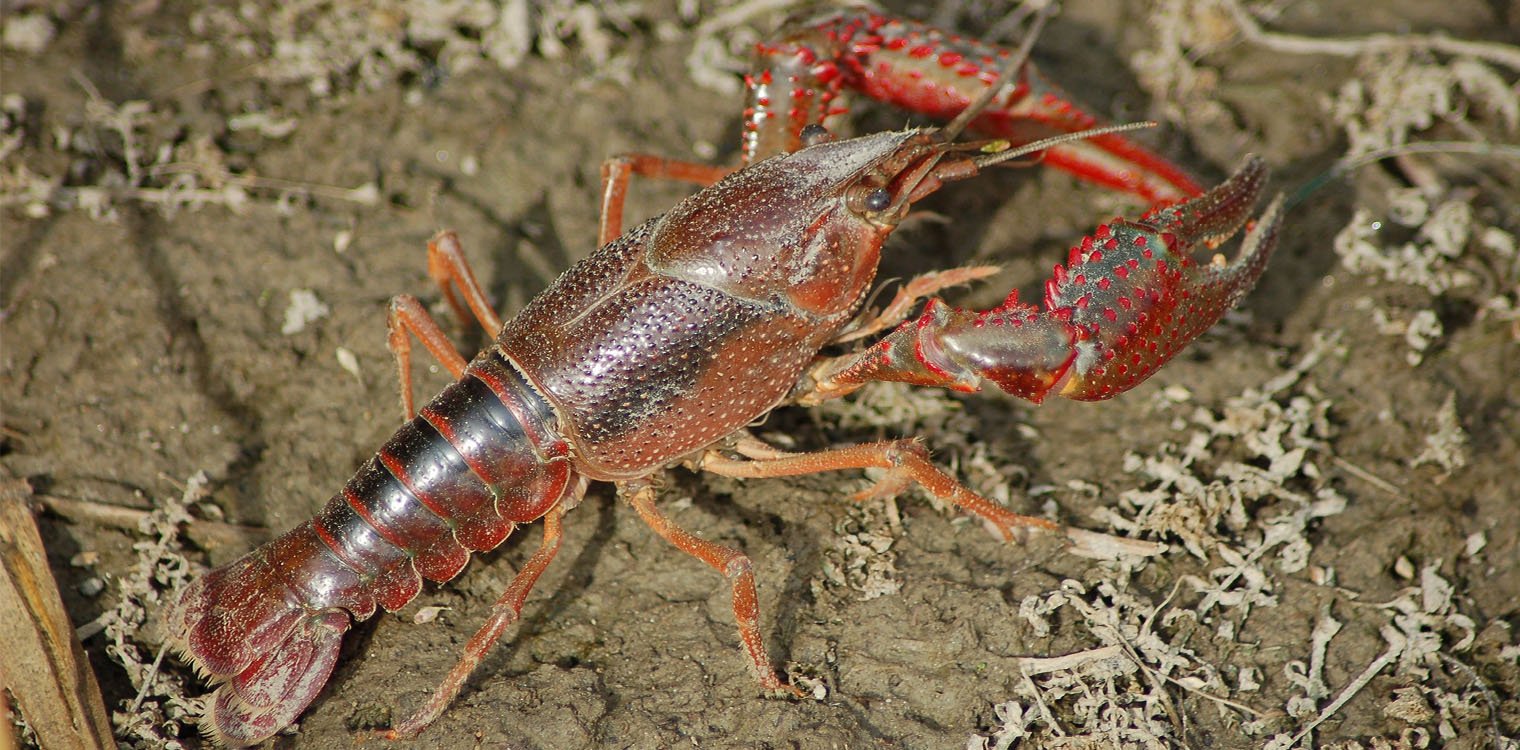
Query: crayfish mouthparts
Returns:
{"type": "Point", "coordinates": [674, 336]}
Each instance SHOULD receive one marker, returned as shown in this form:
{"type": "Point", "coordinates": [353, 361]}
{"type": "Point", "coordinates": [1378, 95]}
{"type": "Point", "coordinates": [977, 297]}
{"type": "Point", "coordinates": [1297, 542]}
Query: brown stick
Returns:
{"type": "Point", "coordinates": [44, 665]}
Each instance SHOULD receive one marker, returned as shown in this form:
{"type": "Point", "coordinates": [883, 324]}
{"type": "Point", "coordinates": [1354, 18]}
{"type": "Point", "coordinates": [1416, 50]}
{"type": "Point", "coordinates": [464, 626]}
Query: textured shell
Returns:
{"type": "Point", "coordinates": [697, 322]}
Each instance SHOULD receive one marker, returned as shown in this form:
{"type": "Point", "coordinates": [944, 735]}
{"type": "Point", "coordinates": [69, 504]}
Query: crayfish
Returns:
{"type": "Point", "coordinates": [660, 347]}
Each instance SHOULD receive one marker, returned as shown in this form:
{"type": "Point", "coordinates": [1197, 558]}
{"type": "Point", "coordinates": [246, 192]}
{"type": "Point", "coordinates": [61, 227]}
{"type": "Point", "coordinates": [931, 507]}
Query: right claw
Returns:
{"type": "Point", "coordinates": [1129, 298]}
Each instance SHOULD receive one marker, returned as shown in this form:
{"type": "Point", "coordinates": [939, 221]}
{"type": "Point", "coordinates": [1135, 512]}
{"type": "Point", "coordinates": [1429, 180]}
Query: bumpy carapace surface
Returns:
{"type": "Point", "coordinates": [661, 346]}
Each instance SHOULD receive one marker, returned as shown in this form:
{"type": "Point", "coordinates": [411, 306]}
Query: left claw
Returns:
{"type": "Point", "coordinates": [1129, 298]}
{"type": "Point", "coordinates": [798, 80]}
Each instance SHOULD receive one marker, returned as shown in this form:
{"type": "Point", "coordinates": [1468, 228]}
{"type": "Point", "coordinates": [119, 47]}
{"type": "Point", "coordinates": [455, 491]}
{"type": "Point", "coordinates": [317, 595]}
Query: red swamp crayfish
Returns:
{"type": "Point", "coordinates": [660, 347]}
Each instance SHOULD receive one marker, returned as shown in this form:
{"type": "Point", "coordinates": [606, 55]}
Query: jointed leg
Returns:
{"type": "Point", "coordinates": [905, 461]}
{"type": "Point", "coordinates": [733, 564]}
{"type": "Point", "coordinates": [407, 315]}
{"type": "Point", "coordinates": [918, 288]}
{"type": "Point", "coordinates": [504, 613]}
{"type": "Point", "coordinates": [618, 169]}
{"type": "Point", "coordinates": [908, 463]}
{"type": "Point", "coordinates": [447, 266]}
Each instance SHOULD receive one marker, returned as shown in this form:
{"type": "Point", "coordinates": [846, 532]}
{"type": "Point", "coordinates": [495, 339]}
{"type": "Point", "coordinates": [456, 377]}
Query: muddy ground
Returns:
{"type": "Point", "coordinates": [144, 342]}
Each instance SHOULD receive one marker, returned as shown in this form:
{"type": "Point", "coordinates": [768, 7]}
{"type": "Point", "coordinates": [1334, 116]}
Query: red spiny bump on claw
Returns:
{"type": "Point", "coordinates": [1139, 314]}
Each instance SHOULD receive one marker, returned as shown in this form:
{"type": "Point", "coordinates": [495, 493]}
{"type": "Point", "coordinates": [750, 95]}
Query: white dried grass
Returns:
{"type": "Point", "coordinates": [163, 713]}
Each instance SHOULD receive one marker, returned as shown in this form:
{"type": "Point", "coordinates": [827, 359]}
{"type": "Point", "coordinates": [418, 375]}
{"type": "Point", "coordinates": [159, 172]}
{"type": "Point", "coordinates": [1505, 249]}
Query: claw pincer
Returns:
{"type": "Point", "coordinates": [1129, 298]}
{"type": "Point", "coordinates": [659, 348]}
{"type": "Point", "coordinates": [800, 79]}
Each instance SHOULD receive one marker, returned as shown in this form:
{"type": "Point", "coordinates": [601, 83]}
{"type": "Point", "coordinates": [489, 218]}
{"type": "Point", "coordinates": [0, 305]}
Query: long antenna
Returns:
{"type": "Point", "coordinates": [1003, 152]}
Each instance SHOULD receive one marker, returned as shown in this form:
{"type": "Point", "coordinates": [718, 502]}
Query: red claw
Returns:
{"type": "Point", "coordinates": [1129, 298]}
{"type": "Point", "coordinates": [922, 69]}
{"type": "Point", "coordinates": [661, 347]}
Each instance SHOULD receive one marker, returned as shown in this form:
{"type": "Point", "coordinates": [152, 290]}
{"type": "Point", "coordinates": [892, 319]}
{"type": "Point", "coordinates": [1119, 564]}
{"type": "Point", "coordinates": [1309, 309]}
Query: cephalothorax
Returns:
{"type": "Point", "coordinates": [661, 346]}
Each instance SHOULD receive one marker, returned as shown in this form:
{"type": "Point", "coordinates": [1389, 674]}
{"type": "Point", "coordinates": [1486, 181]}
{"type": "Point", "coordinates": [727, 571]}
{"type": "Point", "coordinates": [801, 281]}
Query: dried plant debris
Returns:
{"type": "Point", "coordinates": [1430, 235]}
{"type": "Point", "coordinates": [1403, 84]}
{"type": "Point", "coordinates": [1446, 445]}
{"type": "Point", "coordinates": [1448, 251]}
{"type": "Point", "coordinates": [1169, 70]}
{"type": "Point", "coordinates": [162, 713]}
{"type": "Point", "coordinates": [334, 46]}
{"type": "Point", "coordinates": [132, 153]}
{"type": "Point", "coordinates": [1242, 492]}
{"type": "Point", "coordinates": [1429, 260]}
{"type": "Point", "coordinates": [1261, 453]}
{"type": "Point", "coordinates": [1403, 90]}
{"type": "Point", "coordinates": [151, 153]}
{"type": "Point", "coordinates": [1425, 637]}
{"type": "Point", "coordinates": [860, 557]}
{"type": "Point", "coordinates": [1118, 694]}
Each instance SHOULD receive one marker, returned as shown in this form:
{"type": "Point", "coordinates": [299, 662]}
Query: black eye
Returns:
{"type": "Point", "coordinates": [878, 200]}
{"type": "Point", "coordinates": [815, 134]}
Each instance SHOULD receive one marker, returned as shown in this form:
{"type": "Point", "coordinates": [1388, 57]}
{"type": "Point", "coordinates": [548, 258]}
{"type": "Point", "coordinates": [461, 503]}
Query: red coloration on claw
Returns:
{"type": "Point", "coordinates": [923, 69]}
{"type": "Point", "coordinates": [1178, 303]}
{"type": "Point", "coordinates": [1109, 321]}
{"type": "Point", "coordinates": [675, 335]}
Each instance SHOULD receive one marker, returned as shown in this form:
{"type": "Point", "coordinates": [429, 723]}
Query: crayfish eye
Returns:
{"type": "Point", "coordinates": [815, 134]}
{"type": "Point", "coordinates": [869, 203]}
